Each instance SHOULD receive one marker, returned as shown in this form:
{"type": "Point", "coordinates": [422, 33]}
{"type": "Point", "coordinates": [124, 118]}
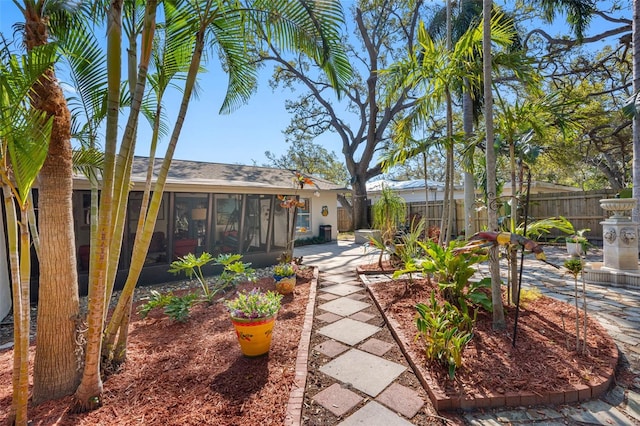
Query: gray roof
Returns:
{"type": "Point", "coordinates": [405, 185]}
{"type": "Point", "coordinates": [199, 173]}
{"type": "Point", "coordinates": [398, 185]}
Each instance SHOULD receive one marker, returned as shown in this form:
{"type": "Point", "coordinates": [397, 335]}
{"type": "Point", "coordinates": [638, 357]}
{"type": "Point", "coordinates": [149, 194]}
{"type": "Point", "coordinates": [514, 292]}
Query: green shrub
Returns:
{"type": "Point", "coordinates": [445, 330]}
{"type": "Point", "coordinates": [175, 307]}
{"type": "Point", "coordinates": [452, 270]}
{"type": "Point", "coordinates": [157, 300]}
{"type": "Point", "coordinates": [234, 270]}
{"type": "Point", "coordinates": [179, 307]}
{"type": "Point", "coordinates": [192, 265]}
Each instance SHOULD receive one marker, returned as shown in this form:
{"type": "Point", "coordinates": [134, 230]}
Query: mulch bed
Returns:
{"type": "Point", "coordinates": [190, 373]}
{"type": "Point", "coordinates": [542, 361]}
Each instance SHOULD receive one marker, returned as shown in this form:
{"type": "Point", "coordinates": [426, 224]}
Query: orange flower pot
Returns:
{"type": "Point", "coordinates": [285, 285]}
{"type": "Point", "coordinates": [254, 335]}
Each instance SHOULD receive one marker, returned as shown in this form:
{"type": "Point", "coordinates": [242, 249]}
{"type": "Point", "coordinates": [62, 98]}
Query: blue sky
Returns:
{"type": "Point", "coordinates": [240, 137]}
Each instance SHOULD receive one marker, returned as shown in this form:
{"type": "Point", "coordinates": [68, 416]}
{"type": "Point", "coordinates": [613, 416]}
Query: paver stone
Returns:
{"type": "Point", "coordinates": [401, 399]}
{"type": "Point", "coordinates": [342, 289]}
{"type": "Point", "coordinates": [376, 346]}
{"type": "Point", "coordinates": [344, 306]}
{"type": "Point", "coordinates": [365, 372]}
{"type": "Point", "coordinates": [374, 414]}
{"type": "Point", "coordinates": [349, 331]}
{"type": "Point", "coordinates": [337, 399]}
{"type": "Point", "coordinates": [328, 317]}
{"type": "Point", "coordinates": [330, 348]}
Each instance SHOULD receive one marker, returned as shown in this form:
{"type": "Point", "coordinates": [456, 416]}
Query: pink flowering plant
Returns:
{"type": "Point", "coordinates": [254, 304]}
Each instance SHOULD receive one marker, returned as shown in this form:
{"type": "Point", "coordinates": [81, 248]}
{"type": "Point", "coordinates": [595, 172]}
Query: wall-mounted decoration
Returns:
{"type": "Point", "coordinates": [325, 211]}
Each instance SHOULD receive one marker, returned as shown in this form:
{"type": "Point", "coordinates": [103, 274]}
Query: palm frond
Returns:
{"type": "Point", "coordinates": [311, 27]}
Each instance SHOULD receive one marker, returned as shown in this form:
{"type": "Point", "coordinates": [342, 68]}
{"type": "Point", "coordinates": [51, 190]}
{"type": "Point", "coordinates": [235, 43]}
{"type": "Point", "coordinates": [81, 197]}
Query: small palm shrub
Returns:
{"type": "Point", "coordinates": [452, 270]}
{"type": "Point", "coordinates": [175, 307]}
{"type": "Point", "coordinates": [445, 331]}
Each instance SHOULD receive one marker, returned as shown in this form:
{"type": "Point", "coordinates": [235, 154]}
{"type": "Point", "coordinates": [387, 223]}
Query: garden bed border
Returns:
{"type": "Point", "coordinates": [293, 416]}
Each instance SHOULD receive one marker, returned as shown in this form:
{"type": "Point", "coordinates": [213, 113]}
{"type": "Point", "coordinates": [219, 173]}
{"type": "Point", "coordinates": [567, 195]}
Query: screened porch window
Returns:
{"type": "Point", "coordinates": [303, 219]}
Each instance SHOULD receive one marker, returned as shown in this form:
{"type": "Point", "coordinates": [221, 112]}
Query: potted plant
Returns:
{"type": "Point", "coordinates": [577, 243]}
{"type": "Point", "coordinates": [253, 315]}
{"type": "Point", "coordinates": [285, 276]}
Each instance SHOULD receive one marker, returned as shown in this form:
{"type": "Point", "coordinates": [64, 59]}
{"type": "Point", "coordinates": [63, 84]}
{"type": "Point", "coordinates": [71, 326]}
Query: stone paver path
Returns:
{"type": "Point", "coordinates": [357, 366]}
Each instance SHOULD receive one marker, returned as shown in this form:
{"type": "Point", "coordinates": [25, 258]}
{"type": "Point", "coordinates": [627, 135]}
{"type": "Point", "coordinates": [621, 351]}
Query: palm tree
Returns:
{"type": "Point", "coordinates": [437, 72]}
{"type": "Point", "coordinates": [24, 136]}
{"type": "Point", "coordinates": [388, 211]}
{"type": "Point", "coordinates": [171, 56]}
{"type": "Point", "coordinates": [298, 26]}
{"type": "Point", "coordinates": [518, 124]}
{"type": "Point", "coordinates": [55, 365]}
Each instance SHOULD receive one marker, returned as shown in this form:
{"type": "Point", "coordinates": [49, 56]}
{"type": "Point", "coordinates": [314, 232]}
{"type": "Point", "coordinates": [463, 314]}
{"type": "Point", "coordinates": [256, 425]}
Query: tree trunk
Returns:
{"type": "Point", "coordinates": [492, 208]}
{"type": "Point", "coordinates": [636, 118]}
{"type": "Point", "coordinates": [88, 395]}
{"type": "Point", "coordinates": [469, 181]}
{"type": "Point", "coordinates": [360, 207]}
{"type": "Point", "coordinates": [21, 314]}
{"type": "Point", "coordinates": [55, 371]}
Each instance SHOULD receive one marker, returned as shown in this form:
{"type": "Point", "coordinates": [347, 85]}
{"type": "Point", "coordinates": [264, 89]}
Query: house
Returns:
{"type": "Point", "coordinates": [413, 191]}
{"type": "Point", "coordinates": [218, 208]}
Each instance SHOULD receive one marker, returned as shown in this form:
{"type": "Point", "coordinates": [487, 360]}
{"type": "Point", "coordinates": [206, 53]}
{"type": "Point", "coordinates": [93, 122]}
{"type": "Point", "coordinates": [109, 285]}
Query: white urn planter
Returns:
{"type": "Point", "coordinates": [575, 249]}
{"type": "Point", "coordinates": [618, 206]}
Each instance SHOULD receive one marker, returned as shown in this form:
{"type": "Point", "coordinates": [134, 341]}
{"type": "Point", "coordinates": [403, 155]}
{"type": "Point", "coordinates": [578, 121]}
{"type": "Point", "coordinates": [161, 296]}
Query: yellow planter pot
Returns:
{"type": "Point", "coordinates": [254, 335]}
{"type": "Point", "coordinates": [285, 285]}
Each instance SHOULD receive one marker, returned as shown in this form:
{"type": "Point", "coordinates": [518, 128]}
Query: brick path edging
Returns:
{"type": "Point", "coordinates": [296, 396]}
{"type": "Point", "coordinates": [597, 386]}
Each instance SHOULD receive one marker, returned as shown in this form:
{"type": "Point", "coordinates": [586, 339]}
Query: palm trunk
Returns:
{"type": "Point", "coordinates": [55, 371]}
{"type": "Point", "coordinates": [448, 182]}
{"type": "Point", "coordinates": [492, 212]}
{"type": "Point", "coordinates": [21, 317]}
{"type": "Point", "coordinates": [119, 319]}
{"type": "Point", "coordinates": [636, 118]}
{"type": "Point", "coordinates": [89, 393]}
{"type": "Point", "coordinates": [469, 182]}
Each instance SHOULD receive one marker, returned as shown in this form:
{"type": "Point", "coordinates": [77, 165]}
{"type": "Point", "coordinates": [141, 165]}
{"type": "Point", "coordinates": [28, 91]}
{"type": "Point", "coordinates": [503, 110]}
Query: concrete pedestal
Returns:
{"type": "Point", "coordinates": [620, 243]}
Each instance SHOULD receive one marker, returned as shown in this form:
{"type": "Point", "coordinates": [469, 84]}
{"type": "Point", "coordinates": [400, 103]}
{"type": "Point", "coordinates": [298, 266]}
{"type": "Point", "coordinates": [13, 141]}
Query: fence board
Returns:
{"type": "Point", "coordinates": [582, 209]}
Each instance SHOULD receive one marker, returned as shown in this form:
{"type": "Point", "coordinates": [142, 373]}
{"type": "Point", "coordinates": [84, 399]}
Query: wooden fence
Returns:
{"type": "Point", "coordinates": [582, 209]}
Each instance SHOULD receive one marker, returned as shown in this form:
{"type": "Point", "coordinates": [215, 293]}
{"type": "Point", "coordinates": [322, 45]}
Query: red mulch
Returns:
{"type": "Point", "coordinates": [544, 358]}
{"type": "Point", "coordinates": [191, 373]}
